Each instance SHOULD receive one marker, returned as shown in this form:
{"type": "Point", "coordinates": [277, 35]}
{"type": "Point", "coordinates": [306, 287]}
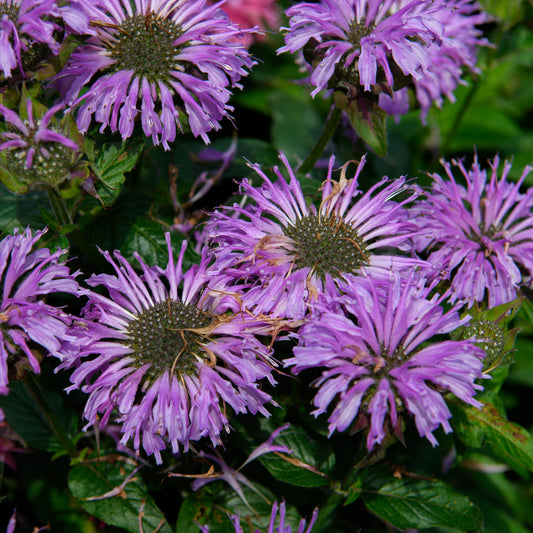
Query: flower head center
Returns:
{"type": "Point", "coordinates": [164, 336]}
{"type": "Point", "coordinates": [11, 10]}
{"type": "Point", "coordinates": [326, 246]}
{"type": "Point", "coordinates": [145, 44]}
{"type": "Point", "coordinates": [357, 31]}
{"type": "Point", "coordinates": [52, 162]}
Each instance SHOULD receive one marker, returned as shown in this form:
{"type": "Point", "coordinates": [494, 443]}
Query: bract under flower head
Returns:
{"type": "Point", "coordinates": [169, 357]}
{"type": "Point", "coordinates": [378, 364]}
{"type": "Point", "coordinates": [481, 235]}
{"type": "Point", "coordinates": [381, 46]}
{"type": "Point", "coordinates": [163, 54]}
{"type": "Point", "coordinates": [27, 275]}
{"type": "Point", "coordinates": [284, 252]}
{"type": "Point", "coordinates": [25, 28]}
{"type": "Point", "coordinates": [36, 151]}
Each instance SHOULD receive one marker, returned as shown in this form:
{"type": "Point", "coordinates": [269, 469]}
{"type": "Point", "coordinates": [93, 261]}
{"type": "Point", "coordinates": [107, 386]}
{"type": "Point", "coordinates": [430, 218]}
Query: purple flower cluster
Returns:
{"type": "Point", "coordinates": [480, 235]}
{"type": "Point", "coordinates": [381, 46]}
{"type": "Point", "coordinates": [24, 26]}
{"type": "Point", "coordinates": [165, 56]}
{"type": "Point", "coordinates": [281, 252]}
{"type": "Point", "coordinates": [166, 353]}
{"type": "Point", "coordinates": [376, 366]}
{"type": "Point", "coordinates": [27, 276]}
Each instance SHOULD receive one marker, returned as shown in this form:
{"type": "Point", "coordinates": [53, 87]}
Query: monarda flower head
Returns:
{"type": "Point", "coordinates": [28, 323]}
{"type": "Point", "coordinates": [382, 46]}
{"type": "Point", "coordinates": [36, 148]}
{"type": "Point", "coordinates": [165, 356]}
{"type": "Point", "coordinates": [479, 235]}
{"type": "Point", "coordinates": [161, 56]}
{"type": "Point", "coordinates": [283, 252]}
{"type": "Point", "coordinates": [379, 362]}
{"type": "Point", "coordinates": [26, 33]}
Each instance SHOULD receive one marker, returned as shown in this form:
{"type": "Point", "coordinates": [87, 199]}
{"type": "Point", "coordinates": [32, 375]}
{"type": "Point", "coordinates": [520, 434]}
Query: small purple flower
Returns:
{"type": "Point", "coordinates": [35, 150]}
{"type": "Point", "coordinates": [283, 252]}
{"type": "Point", "coordinates": [378, 361]}
{"type": "Point", "coordinates": [481, 235]}
{"type": "Point", "coordinates": [163, 55]}
{"type": "Point", "coordinates": [282, 526]}
{"type": "Point", "coordinates": [26, 25]}
{"type": "Point", "coordinates": [458, 51]}
{"type": "Point", "coordinates": [28, 274]}
{"type": "Point", "coordinates": [170, 356]}
{"type": "Point", "coordinates": [380, 46]}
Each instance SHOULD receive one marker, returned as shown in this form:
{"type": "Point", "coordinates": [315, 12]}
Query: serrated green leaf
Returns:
{"type": "Point", "coordinates": [367, 118]}
{"type": "Point", "coordinates": [93, 485]}
{"type": "Point", "coordinates": [307, 466]}
{"type": "Point", "coordinates": [508, 441]}
{"type": "Point", "coordinates": [147, 238]}
{"type": "Point", "coordinates": [110, 162]}
{"type": "Point", "coordinates": [419, 503]}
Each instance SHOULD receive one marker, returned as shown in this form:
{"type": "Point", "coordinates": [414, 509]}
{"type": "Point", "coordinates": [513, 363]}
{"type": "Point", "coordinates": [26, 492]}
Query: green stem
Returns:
{"type": "Point", "coordinates": [54, 422]}
{"type": "Point", "coordinates": [459, 116]}
{"type": "Point", "coordinates": [320, 146]}
{"type": "Point", "coordinates": [58, 206]}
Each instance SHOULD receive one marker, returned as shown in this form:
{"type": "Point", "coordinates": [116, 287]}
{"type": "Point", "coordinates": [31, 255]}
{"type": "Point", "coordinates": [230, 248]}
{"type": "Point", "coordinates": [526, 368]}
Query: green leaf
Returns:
{"type": "Point", "coordinates": [418, 503]}
{"type": "Point", "coordinates": [129, 229]}
{"type": "Point", "coordinates": [216, 503]}
{"type": "Point", "coordinates": [18, 211]}
{"type": "Point", "coordinates": [296, 126]}
{"type": "Point", "coordinates": [508, 441]}
{"type": "Point", "coordinates": [367, 118]}
{"type": "Point", "coordinates": [522, 370]}
{"type": "Point", "coordinates": [198, 509]}
{"type": "Point", "coordinates": [103, 489]}
{"type": "Point", "coordinates": [147, 238]}
{"type": "Point", "coordinates": [110, 161]}
{"type": "Point", "coordinates": [27, 420]}
{"type": "Point", "coordinates": [307, 466]}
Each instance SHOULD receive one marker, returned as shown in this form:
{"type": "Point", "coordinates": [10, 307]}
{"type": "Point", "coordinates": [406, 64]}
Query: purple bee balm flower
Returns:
{"type": "Point", "coordinates": [281, 527]}
{"type": "Point", "coordinates": [166, 361]}
{"type": "Point", "coordinates": [479, 236]}
{"type": "Point", "coordinates": [162, 56]}
{"type": "Point", "coordinates": [378, 361]}
{"type": "Point", "coordinates": [25, 26]}
{"type": "Point", "coordinates": [380, 46]}
{"type": "Point", "coordinates": [283, 252]}
{"type": "Point", "coordinates": [35, 150]}
{"type": "Point", "coordinates": [28, 274]}
{"type": "Point", "coordinates": [457, 52]}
